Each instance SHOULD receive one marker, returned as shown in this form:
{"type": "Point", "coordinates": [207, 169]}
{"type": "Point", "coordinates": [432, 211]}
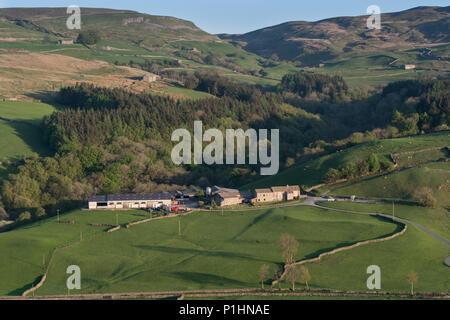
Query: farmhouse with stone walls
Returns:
{"type": "Point", "coordinates": [228, 197]}
{"type": "Point", "coordinates": [222, 197]}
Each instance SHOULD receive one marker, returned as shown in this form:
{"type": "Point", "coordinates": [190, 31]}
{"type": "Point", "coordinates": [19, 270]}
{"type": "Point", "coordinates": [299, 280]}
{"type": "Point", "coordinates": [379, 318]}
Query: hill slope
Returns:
{"type": "Point", "coordinates": [311, 173]}
{"type": "Point", "coordinates": [112, 24]}
{"type": "Point", "coordinates": [167, 46]}
{"type": "Point", "coordinates": [314, 42]}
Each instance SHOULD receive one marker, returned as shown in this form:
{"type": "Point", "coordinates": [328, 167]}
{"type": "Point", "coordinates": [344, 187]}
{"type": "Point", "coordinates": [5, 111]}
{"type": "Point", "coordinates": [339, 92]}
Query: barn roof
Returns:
{"type": "Point", "coordinates": [131, 197]}
{"type": "Point", "coordinates": [217, 189]}
{"type": "Point", "coordinates": [286, 189]}
{"type": "Point", "coordinates": [228, 195]}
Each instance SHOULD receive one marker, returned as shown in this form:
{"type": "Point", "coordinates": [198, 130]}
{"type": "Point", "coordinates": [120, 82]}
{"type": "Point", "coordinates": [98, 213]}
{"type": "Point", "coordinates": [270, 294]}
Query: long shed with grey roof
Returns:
{"type": "Point", "coordinates": [130, 201]}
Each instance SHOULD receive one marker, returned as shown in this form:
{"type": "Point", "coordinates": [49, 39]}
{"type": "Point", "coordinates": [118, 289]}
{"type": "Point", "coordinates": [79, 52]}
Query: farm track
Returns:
{"type": "Point", "coordinates": [393, 218]}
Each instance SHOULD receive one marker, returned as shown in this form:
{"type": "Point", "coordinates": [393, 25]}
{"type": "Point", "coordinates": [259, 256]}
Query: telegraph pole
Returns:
{"type": "Point", "coordinates": [179, 226]}
{"type": "Point", "coordinates": [57, 212]}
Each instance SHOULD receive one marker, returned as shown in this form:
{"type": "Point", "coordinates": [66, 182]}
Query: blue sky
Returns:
{"type": "Point", "coordinates": [238, 16]}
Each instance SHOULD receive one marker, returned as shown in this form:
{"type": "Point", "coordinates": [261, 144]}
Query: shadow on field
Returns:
{"type": "Point", "coordinates": [45, 96]}
{"type": "Point", "coordinates": [210, 279]}
{"type": "Point", "coordinates": [251, 224]}
{"type": "Point", "coordinates": [222, 254]}
{"type": "Point", "coordinates": [20, 291]}
{"type": "Point", "coordinates": [31, 134]}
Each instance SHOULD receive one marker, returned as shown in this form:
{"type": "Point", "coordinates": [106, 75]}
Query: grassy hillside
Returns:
{"type": "Point", "coordinates": [325, 39]}
{"type": "Point", "coordinates": [345, 46]}
{"type": "Point", "coordinates": [119, 24]}
{"type": "Point", "coordinates": [311, 173]}
{"type": "Point", "coordinates": [214, 251]}
{"type": "Point", "coordinates": [342, 44]}
{"type": "Point", "coordinates": [416, 250]}
{"type": "Point", "coordinates": [126, 37]}
{"type": "Point", "coordinates": [180, 92]}
{"type": "Point", "coordinates": [20, 139]}
{"type": "Point", "coordinates": [402, 185]}
{"type": "Point", "coordinates": [31, 112]}
{"type": "Point", "coordinates": [26, 250]}
{"type": "Point", "coordinates": [22, 136]}
{"type": "Point", "coordinates": [434, 219]}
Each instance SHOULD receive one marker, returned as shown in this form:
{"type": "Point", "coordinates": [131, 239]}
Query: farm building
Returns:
{"type": "Point", "coordinates": [223, 199]}
{"type": "Point", "coordinates": [150, 77]}
{"type": "Point", "coordinates": [130, 201]}
{"type": "Point", "coordinates": [264, 195]}
{"type": "Point", "coordinates": [65, 41]}
{"type": "Point", "coordinates": [228, 197]}
{"type": "Point", "coordinates": [185, 195]}
{"type": "Point", "coordinates": [286, 193]}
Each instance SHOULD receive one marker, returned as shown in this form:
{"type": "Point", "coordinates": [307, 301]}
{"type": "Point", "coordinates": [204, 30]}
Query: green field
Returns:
{"type": "Point", "coordinates": [25, 111]}
{"type": "Point", "coordinates": [24, 250]}
{"type": "Point", "coordinates": [214, 251]}
{"type": "Point", "coordinates": [401, 185]}
{"type": "Point", "coordinates": [434, 219]}
{"type": "Point", "coordinates": [18, 139]}
{"type": "Point", "coordinates": [24, 137]}
{"type": "Point", "coordinates": [311, 173]}
{"type": "Point", "coordinates": [415, 250]}
{"type": "Point", "coordinates": [183, 93]}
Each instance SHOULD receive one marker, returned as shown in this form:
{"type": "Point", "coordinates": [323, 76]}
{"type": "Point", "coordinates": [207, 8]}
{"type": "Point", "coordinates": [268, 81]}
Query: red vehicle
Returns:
{"type": "Point", "coordinates": [175, 209]}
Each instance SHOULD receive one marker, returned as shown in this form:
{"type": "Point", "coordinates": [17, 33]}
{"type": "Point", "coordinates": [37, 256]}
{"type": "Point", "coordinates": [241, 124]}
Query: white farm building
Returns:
{"type": "Point", "coordinates": [130, 201]}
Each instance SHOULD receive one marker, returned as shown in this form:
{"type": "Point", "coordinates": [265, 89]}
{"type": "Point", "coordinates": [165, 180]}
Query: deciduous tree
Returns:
{"type": "Point", "coordinates": [263, 274]}
{"type": "Point", "coordinates": [289, 247]}
{"type": "Point", "coordinates": [292, 275]}
{"type": "Point", "coordinates": [305, 276]}
{"type": "Point", "coordinates": [412, 278]}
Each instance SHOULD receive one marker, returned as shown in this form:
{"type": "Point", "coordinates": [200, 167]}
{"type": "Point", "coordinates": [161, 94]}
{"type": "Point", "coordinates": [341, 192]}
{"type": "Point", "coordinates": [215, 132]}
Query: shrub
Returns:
{"type": "Point", "coordinates": [425, 197]}
{"type": "Point", "coordinates": [40, 212]}
{"type": "Point", "coordinates": [88, 37]}
{"type": "Point", "coordinates": [332, 176]}
{"type": "Point", "coordinates": [24, 217]}
{"type": "Point", "coordinates": [374, 163]}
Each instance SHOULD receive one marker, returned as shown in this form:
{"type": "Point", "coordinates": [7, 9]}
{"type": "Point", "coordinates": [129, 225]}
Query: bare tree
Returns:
{"type": "Point", "coordinates": [263, 274]}
{"type": "Point", "coordinates": [412, 278]}
{"type": "Point", "coordinates": [305, 276]}
{"type": "Point", "coordinates": [277, 276]}
{"type": "Point", "coordinates": [289, 247]}
{"type": "Point", "coordinates": [292, 275]}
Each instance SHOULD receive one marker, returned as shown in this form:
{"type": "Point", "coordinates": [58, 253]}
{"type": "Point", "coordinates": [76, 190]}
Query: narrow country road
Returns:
{"type": "Point", "coordinates": [312, 201]}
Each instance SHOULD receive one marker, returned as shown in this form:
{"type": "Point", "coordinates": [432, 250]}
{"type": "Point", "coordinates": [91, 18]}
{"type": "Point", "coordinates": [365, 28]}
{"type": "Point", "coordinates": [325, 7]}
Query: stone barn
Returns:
{"type": "Point", "coordinates": [65, 41]}
{"type": "Point", "coordinates": [150, 77]}
{"type": "Point", "coordinates": [409, 66]}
